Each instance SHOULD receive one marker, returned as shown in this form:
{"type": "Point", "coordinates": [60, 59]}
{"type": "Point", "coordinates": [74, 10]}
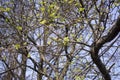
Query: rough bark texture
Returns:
{"type": "Point", "coordinates": [97, 46]}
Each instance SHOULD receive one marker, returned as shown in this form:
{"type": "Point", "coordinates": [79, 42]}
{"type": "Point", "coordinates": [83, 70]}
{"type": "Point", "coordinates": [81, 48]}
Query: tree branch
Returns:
{"type": "Point", "coordinates": [111, 34]}
{"type": "Point", "coordinates": [97, 46]}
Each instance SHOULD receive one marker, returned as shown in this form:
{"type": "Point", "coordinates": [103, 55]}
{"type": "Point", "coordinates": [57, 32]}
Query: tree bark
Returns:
{"type": "Point", "coordinates": [96, 46]}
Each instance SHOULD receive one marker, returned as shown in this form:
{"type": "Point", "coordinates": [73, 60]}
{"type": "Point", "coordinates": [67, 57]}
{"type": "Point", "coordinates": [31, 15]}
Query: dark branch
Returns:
{"type": "Point", "coordinates": [97, 46]}
{"type": "Point", "coordinates": [111, 34]}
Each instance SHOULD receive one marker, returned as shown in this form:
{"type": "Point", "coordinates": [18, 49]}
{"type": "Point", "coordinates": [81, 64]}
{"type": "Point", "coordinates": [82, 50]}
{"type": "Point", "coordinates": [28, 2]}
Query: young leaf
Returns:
{"type": "Point", "coordinates": [17, 46]}
{"type": "Point", "coordinates": [77, 78]}
{"type": "Point", "coordinates": [49, 42]}
{"type": "Point", "coordinates": [81, 9]}
{"type": "Point", "coordinates": [25, 43]}
{"type": "Point", "coordinates": [19, 28]}
{"type": "Point", "coordinates": [102, 28]}
{"type": "Point", "coordinates": [70, 1]}
{"type": "Point", "coordinates": [4, 58]}
{"type": "Point", "coordinates": [52, 14]}
{"type": "Point", "coordinates": [28, 55]}
{"type": "Point", "coordinates": [42, 9]}
{"type": "Point", "coordinates": [56, 7]}
{"type": "Point", "coordinates": [65, 40]}
{"type": "Point", "coordinates": [43, 21]}
{"type": "Point", "coordinates": [79, 39]}
{"type": "Point", "coordinates": [8, 9]}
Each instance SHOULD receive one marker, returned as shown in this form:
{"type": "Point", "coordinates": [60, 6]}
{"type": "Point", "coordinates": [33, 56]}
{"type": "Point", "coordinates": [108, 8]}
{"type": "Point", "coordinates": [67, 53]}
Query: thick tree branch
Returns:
{"type": "Point", "coordinates": [97, 46]}
{"type": "Point", "coordinates": [111, 34]}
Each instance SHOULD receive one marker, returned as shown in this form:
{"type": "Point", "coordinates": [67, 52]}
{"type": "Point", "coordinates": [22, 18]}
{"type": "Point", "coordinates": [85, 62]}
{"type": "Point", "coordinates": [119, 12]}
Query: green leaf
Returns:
{"type": "Point", "coordinates": [4, 58]}
{"type": "Point", "coordinates": [102, 28]}
{"type": "Point", "coordinates": [38, 15]}
{"type": "Point", "coordinates": [81, 9]}
{"type": "Point", "coordinates": [42, 9]}
{"type": "Point", "coordinates": [19, 28]}
{"type": "Point", "coordinates": [116, 4]}
{"type": "Point", "coordinates": [8, 9]}
{"type": "Point", "coordinates": [79, 39]}
{"type": "Point", "coordinates": [77, 78]}
{"type": "Point", "coordinates": [72, 35]}
{"type": "Point", "coordinates": [52, 14]}
{"type": "Point", "coordinates": [17, 46]}
{"type": "Point", "coordinates": [62, 19]}
{"type": "Point", "coordinates": [43, 21]}
{"type": "Point", "coordinates": [56, 7]}
{"type": "Point", "coordinates": [25, 43]}
{"type": "Point", "coordinates": [77, 4]}
{"type": "Point", "coordinates": [65, 40]}
{"type": "Point", "coordinates": [4, 9]}
{"type": "Point", "coordinates": [77, 57]}
{"type": "Point", "coordinates": [42, 2]}
{"type": "Point", "coordinates": [6, 20]}
{"type": "Point", "coordinates": [52, 6]}
{"type": "Point", "coordinates": [28, 55]}
{"type": "Point", "coordinates": [49, 42]}
{"type": "Point", "coordinates": [65, 0]}
{"type": "Point", "coordinates": [54, 39]}
{"type": "Point", "coordinates": [70, 1]}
